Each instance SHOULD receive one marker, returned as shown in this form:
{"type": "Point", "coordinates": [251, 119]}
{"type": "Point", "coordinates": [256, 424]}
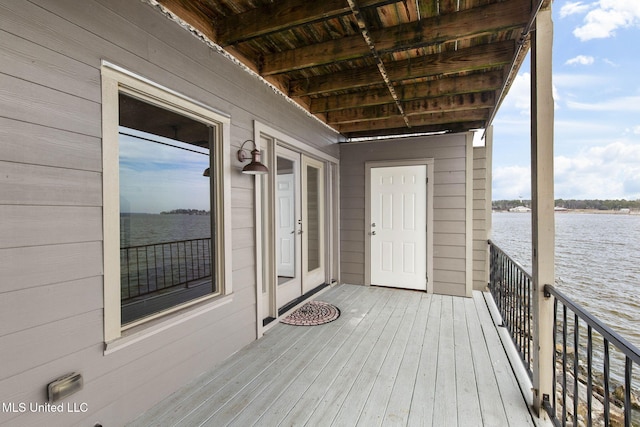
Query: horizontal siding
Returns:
{"type": "Point", "coordinates": [24, 184]}
{"type": "Point", "coordinates": [481, 210]}
{"type": "Point", "coordinates": [28, 267]}
{"type": "Point", "coordinates": [449, 204]}
{"type": "Point", "coordinates": [51, 259]}
{"type": "Point", "coordinates": [48, 225]}
{"type": "Point", "coordinates": [49, 303]}
{"type": "Point", "coordinates": [40, 145]}
{"type": "Point", "coordinates": [26, 101]}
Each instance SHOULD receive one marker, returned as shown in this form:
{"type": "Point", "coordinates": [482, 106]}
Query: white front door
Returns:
{"type": "Point", "coordinates": [286, 245]}
{"type": "Point", "coordinates": [398, 228]}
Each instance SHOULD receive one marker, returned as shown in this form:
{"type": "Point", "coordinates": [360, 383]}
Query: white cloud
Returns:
{"type": "Point", "coordinates": [625, 104]}
{"type": "Point", "coordinates": [577, 80]}
{"type": "Point", "coordinates": [607, 17]}
{"type": "Point", "coordinates": [511, 182]}
{"type": "Point", "coordinates": [519, 97]}
{"type": "Point", "coordinates": [573, 8]}
{"type": "Point", "coordinates": [611, 171]}
{"type": "Point", "coordinates": [580, 60]}
{"type": "Point", "coordinates": [636, 130]}
{"type": "Point", "coordinates": [605, 172]}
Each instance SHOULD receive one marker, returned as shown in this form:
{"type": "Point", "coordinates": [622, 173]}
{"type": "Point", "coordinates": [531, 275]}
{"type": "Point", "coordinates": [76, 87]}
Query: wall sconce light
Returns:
{"type": "Point", "coordinates": [254, 167]}
{"type": "Point", "coordinates": [64, 386]}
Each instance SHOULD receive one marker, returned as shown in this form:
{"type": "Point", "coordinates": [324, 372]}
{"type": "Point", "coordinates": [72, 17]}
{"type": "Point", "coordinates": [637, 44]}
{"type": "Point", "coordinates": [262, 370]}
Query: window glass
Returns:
{"type": "Point", "coordinates": [165, 209]}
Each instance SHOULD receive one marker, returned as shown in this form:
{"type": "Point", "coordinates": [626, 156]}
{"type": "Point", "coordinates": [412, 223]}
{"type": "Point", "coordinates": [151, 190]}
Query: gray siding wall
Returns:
{"type": "Point", "coordinates": [481, 216]}
{"type": "Point", "coordinates": [51, 260]}
{"type": "Point", "coordinates": [449, 205]}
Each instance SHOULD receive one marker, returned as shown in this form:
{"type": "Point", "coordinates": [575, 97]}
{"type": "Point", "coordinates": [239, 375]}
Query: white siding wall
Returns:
{"type": "Point", "coordinates": [449, 205]}
{"type": "Point", "coordinates": [51, 260]}
{"type": "Point", "coordinates": [481, 216]}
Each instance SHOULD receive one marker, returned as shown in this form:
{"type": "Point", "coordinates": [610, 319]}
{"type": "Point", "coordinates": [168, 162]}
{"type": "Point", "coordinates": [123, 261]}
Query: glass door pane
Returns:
{"type": "Point", "coordinates": [312, 223]}
{"type": "Point", "coordinates": [286, 220]}
{"type": "Point", "coordinates": [313, 219]}
{"type": "Point", "coordinates": [288, 228]}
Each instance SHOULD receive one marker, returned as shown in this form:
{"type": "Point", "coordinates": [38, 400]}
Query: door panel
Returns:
{"type": "Point", "coordinates": [312, 223]}
{"type": "Point", "coordinates": [288, 248]}
{"type": "Point", "coordinates": [300, 224]}
{"type": "Point", "coordinates": [398, 228]}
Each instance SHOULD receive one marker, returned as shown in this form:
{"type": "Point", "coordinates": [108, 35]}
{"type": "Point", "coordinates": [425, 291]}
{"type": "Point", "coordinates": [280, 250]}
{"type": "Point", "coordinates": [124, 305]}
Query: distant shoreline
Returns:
{"type": "Point", "coordinates": [584, 211]}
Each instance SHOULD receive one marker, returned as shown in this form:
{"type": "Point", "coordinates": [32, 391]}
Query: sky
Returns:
{"type": "Point", "coordinates": [158, 178]}
{"type": "Point", "coordinates": [596, 87]}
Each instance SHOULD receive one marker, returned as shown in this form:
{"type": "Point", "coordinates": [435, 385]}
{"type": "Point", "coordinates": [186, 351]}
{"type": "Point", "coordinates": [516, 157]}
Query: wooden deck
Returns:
{"type": "Point", "coordinates": [393, 357]}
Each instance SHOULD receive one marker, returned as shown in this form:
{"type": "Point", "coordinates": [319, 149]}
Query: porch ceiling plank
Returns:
{"type": "Point", "coordinates": [395, 122]}
{"type": "Point", "coordinates": [191, 13]}
{"type": "Point", "coordinates": [435, 30]}
{"type": "Point", "coordinates": [484, 56]}
{"type": "Point", "coordinates": [472, 83]}
{"type": "Point", "coordinates": [282, 15]}
{"type": "Point", "coordinates": [449, 127]}
{"type": "Point", "coordinates": [444, 56]}
{"type": "Point", "coordinates": [462, 102]}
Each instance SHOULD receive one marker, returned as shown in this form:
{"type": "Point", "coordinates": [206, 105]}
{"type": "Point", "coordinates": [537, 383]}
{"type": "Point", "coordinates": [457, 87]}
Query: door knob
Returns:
{"type": "Point", "coordinates": [373, 233]}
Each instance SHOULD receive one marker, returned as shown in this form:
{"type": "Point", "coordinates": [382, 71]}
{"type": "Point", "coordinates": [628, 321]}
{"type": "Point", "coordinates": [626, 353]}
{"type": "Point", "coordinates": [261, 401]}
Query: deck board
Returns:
{"type": "Point", "coordinates": [393, 358]}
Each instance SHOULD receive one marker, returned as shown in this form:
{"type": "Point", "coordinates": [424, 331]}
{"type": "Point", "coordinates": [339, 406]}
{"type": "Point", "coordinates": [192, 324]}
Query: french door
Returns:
{"type": "Point", "coordinates": [300, 222]}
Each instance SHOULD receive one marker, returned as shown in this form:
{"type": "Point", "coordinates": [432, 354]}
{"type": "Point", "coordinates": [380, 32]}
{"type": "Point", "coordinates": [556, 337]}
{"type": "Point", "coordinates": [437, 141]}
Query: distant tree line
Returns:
{"type": "Point", "coordinates": [185, 212]}
{"type": "Point", "coordinates": [603, 205]}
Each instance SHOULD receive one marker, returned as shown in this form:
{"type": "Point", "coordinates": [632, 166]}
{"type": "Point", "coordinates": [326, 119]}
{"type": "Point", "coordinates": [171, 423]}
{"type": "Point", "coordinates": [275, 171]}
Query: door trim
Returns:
{"type": "Point", "coordinates": [429, 163]}
{"type": "Point", "coordinates": [317, 276]}
{"type": "Point", "coordinates": [269, 138]}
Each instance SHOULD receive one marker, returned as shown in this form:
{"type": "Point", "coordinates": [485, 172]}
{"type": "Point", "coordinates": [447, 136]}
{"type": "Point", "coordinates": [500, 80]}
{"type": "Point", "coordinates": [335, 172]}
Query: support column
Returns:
{"type": "Point", "coordinates": [543, 222]}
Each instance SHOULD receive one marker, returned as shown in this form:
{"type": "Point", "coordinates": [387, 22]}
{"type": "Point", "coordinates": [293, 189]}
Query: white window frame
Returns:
{"type": "Point", "coordinates": [116, 80]}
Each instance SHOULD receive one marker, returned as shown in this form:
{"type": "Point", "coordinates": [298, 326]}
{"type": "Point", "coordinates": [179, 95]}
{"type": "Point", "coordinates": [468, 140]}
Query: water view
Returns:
{"type": "Point", "coordinates": [597, 262]}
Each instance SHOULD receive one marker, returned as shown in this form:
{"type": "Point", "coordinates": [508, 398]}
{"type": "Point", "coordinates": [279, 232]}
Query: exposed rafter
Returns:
{"type": "Point", "coordinates": [447, 63]}
{"type": "Point", "coordinates": [376, 67]}
{"type": "Point", "coordinates": [431, 31]}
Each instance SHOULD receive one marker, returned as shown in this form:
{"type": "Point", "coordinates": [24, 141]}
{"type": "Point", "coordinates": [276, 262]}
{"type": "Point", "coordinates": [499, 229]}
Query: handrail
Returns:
{"type": "Point", "coordinates": [157, 267]}
{"type": "Point", "coordinates": [615, 407]}
{"type": "Point", "coordinates": [612, 336]}
{"type": "Point", "coordinates": [593, 378]}
{"type": "Point", "coordinates": [510, 286]}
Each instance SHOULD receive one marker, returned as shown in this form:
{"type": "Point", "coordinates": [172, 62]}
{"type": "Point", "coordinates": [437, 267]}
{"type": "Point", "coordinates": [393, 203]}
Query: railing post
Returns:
{"type": "Point", "coordinates": [543, 224]}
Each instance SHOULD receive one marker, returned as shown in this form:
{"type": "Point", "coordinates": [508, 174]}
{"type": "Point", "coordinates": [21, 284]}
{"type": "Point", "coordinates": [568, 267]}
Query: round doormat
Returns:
{"type": "Point", "coordinates": [313, 313]}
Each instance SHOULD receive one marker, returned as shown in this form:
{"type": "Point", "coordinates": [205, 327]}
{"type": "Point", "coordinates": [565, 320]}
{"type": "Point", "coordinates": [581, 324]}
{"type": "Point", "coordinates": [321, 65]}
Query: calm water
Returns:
{"type": "Point", "coordinates": [146, 229]}
{"type": "Point", "coordinates": [597, 262]}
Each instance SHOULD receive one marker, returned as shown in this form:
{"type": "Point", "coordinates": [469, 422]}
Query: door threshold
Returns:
{"type": "Point", "coordinates": [288, 306]}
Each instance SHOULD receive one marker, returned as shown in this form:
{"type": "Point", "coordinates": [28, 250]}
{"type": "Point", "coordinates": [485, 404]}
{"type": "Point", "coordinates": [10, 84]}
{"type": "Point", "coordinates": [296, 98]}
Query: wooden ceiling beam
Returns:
{"type": "Point", "coordinates": [429, 31]}
{"type": "Point", "coordinates": [442, 127]}
{"type": "Point", "coordinates": [189, 13]}
{"type": "Point", "coordinates": [484, 100]}
{"type": "Point", "coordinates": [472, 83]}
{"type": "Point", "coordinates": [474, 58]}
{"type": "Point", "coordinates": [396, 122]}
{"type": "Point", "coordinates": [283, 15]}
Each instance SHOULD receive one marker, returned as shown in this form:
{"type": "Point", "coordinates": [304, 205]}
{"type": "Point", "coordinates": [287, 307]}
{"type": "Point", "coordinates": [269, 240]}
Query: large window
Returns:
{"type": "Point", "coordinates": [165, 209]}
{"type": "Point", "coordinates": [164, 202]}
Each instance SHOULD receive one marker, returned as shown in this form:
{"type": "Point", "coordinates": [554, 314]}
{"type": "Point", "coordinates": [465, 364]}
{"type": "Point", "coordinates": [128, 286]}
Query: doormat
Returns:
{"type": "Point", "coordinates": [313, 313]}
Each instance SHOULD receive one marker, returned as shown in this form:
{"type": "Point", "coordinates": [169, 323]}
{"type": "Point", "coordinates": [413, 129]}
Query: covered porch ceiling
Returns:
{"type": "Point", "coordinates": [371, 68]}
